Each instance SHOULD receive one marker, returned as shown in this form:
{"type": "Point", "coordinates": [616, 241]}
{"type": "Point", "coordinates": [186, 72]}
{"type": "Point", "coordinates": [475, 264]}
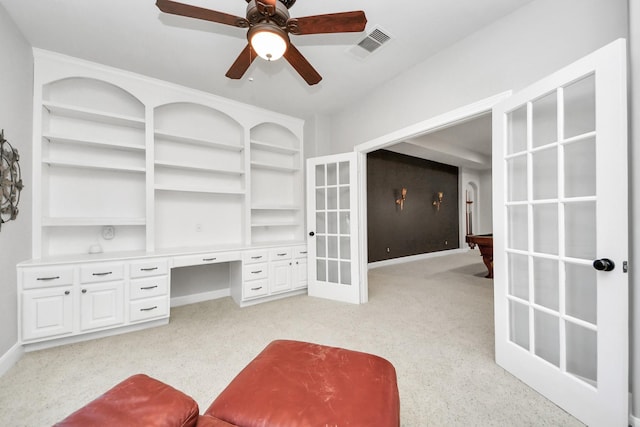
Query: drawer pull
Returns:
{"type": "Point", "coordinates": [303, 252]}
{"type": "Point", "coordinates": [256, 289]}
{"type": "Point", "coordinates": [256, 257]}
{"type": "Point", "coordinates": [149, 269]}
{"type": "Point", "coordinates": [282, 254]}
{"type": "Point", "coordinates": [256, 272]}
{"type": "Point", "coordinates": [103, 274]}
{"type": "Point", "coordinates": [67, 292]}
{"type": "Point", "coordinates": [146, 288]}
{"type": "Point", "coordinates": [208, 259]}
{"type": "Point", "coordinates": [149, 309]}
{"type": "Point", "coordinates": [48, 278]}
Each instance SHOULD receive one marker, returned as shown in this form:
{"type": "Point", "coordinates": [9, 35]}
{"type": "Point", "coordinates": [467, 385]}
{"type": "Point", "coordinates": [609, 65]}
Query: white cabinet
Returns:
{"type": "Point", "coordinates": [70, 299]}
{"type": "Point", "coordinates": [280, 270]}
{"type": "Point", "coordinates": [255, 270]}
{"type": "Point", "coordinates": [299, 273]}
{"type": "Point", "coordinates": [288, 269]}
{"type": "Point", "coordinates": [272, 272]}
{"type": "Point", "coordinates": [47, 312]}
{"type": "Point", "coordinates": [148, 290]}
{"type": "Point", "coordinates": [101, 305]}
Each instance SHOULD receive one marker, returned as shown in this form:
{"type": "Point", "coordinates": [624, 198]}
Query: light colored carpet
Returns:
{"type": "Point", "coordinates": [432, 319]}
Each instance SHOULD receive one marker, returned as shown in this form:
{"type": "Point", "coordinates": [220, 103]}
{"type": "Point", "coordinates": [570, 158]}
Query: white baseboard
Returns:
{"type": "Point", "coordinates": [204, 296]}
{"type": "Point", "coordinates": [10, 358]}
{"type": "Point", "coordinates": [411, 258]}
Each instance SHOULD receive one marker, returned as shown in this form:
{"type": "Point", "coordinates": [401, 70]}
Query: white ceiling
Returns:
{"type": "Point", "coordinates": [464, 144]}
{"type": "Point", "coordinates": [134, 35]}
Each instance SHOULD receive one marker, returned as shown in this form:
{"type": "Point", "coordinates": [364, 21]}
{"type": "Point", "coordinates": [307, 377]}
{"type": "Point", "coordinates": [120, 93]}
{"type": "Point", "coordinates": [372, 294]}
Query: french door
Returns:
{"type": "Point", "coordinates": [332, 221]}
{"type": "Point", "coordinates": [561, 237]}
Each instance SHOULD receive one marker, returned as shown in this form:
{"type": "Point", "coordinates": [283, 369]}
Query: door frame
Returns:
{"type": "Point", "coordinates": [441, 121]}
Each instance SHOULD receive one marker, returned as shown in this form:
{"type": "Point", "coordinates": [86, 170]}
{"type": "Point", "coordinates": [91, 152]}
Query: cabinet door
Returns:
{"type": "Point", "coordinates": [101, 305]}
{"type": "Point", "coordinates": [299, 274]}
{"type": "Point", "coordinates": [280, 276]}
{"type": "Point", "coordinates": [47, 313]}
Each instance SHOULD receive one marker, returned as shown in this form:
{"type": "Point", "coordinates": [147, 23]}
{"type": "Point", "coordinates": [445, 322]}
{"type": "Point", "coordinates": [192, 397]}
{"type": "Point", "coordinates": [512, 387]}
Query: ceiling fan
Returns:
{"type": "Point", "coordinates": [269, 27]}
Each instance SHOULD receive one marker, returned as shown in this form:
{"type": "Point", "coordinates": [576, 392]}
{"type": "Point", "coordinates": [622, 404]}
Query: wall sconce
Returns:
{"type": "Point", "coordinates": [438, 201]}
{"type": "Point", "coordinates": [403, 197]}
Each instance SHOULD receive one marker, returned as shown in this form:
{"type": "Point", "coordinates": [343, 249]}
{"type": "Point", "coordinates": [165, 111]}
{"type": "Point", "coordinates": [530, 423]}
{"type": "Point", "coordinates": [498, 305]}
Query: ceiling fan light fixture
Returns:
{"type": "Point", "coordinates": [268, 41]}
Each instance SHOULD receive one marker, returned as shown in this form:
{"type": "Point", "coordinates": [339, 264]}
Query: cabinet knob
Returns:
{"type": "Point", "coordinates": [67, 292]}
{"type": "Point", "coordinates": [84, 291]}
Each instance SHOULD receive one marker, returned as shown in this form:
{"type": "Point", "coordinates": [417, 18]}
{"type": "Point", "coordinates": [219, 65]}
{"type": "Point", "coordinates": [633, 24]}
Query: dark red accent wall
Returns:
{"type": "Point", "coordinates": [419, 228]}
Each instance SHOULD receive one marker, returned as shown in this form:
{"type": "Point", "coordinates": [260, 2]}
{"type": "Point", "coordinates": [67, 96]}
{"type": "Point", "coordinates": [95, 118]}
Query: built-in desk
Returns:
{"type": "Point", "coordinates": [72, 298]}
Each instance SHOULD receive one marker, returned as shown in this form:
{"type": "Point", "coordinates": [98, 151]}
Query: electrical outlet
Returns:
{"type": "Point", "coordinates": [108, 232]}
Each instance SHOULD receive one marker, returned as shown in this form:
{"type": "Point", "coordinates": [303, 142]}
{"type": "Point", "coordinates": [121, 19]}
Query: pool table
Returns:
{"type": "Point", "coordinates": [485, 244]}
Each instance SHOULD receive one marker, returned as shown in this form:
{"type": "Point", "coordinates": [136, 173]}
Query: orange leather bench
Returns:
{"type": "Point", "coordinates": [290, 383]}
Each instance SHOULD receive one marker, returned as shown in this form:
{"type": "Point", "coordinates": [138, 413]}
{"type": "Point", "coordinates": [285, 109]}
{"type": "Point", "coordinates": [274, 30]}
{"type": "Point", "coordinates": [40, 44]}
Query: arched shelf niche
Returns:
{"type": "Point", "coordinates": [471, 207]}
{"type": "Point", "coordinates": [92, 174]}
{"type": "Point", "coordinates": [199, 177]}
{"type": "Point", "coordinates": [276, 184]}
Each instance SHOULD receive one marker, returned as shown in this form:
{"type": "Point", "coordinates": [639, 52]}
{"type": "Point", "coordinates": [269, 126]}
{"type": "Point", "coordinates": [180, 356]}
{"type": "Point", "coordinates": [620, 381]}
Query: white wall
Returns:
{"type": "Point", "coordinates": [634, 159]}
{"type": "Point", "coordinates": [16, 81]}
{"type": "Point", "coordinates": [485, 199]}
{"type": "Point", "coordinates": [532, 42]}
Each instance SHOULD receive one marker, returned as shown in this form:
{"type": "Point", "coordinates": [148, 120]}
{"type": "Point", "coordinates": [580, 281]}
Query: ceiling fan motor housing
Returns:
{"type": "Point", "coordinates": [287, 3]}
{"type": "Point", "coordinates": [278, 16]}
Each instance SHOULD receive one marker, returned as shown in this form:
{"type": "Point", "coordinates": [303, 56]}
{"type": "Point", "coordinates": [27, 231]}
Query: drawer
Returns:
{"type": "Point", "coordinates": [254, 256]}
{"type": "Point", "coordinates": [149, 267]}
{"type": "Point", "coordinates": [148, 308]}
{"type": "Point", "coordinates": [90, 273]}
{"type": "Point", "coordinates": [300, 252]}
{"type": "Point", "coordinates": [47, 277]}
{"type": "Point", "coordinates": [279, 253]}
{"type": "Point", "coordinates": [150, 287]}
{"type": "Point", "coordinates": [206, 258]}
{"type": "Point", "coordinates": [255, 271]}
{"type": "Point", "coordinates": [255, 288]}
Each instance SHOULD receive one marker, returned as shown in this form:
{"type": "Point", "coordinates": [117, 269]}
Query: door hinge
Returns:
{"type": "Point", "coordinates": [625, 266]}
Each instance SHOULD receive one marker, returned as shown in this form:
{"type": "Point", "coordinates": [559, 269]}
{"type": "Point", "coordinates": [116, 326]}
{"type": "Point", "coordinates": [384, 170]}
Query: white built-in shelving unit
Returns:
{"type": "Point", "coordinates": [166, 166]}
{"type": "Point", "coordinates": [134, 177]}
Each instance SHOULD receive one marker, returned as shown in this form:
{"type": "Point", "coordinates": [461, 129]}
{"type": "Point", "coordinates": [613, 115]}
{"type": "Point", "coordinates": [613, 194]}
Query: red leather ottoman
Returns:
{"type": "Point", "coordinates": [137, 401]}
{"type": "Point", "coordinates": [292, 383]}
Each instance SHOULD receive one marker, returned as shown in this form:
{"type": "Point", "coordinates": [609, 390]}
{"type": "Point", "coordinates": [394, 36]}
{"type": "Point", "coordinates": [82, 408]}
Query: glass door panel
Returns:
{"type": "Point", "coordinates": [579, 168]}
{"type": "Point", "coordinates": [580, 107]}
{"type": "Point", "coordinates": [545, 283]}
{"type": "Point", "coordinates": [544, 121]}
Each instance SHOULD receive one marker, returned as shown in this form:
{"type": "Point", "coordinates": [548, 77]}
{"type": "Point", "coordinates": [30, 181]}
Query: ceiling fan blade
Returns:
{"type": "Point", "coordinates": [344, 22]}
{"type": "Point", "coordinates": [301, 65]}
{"type": "Point", "coordinates": [175, 8]}
{"type": "Point", "coordinates": [242, 63]}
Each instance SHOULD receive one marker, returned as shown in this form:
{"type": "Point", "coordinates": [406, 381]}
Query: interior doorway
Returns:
{"type": "Point", "coordinates": [431, 139]}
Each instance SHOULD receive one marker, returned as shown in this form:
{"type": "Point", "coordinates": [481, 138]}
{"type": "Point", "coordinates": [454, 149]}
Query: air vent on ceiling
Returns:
{"type": "Point", "coordinates": [370, 43]}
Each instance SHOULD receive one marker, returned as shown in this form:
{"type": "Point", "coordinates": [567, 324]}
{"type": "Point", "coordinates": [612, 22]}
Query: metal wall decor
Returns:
{"type": "Point", "coordinates": [10, 180]}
